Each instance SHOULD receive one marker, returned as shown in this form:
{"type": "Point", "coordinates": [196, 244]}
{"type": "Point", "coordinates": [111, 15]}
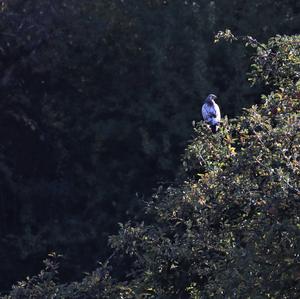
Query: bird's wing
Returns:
{"type": "Point", "coordinates": [205, 112]}
{"type": "Point", "coordinates": [212, 113]}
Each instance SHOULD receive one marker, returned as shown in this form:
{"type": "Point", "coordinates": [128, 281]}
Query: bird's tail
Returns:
{"type": "Point", "coordinates": [214, 128]}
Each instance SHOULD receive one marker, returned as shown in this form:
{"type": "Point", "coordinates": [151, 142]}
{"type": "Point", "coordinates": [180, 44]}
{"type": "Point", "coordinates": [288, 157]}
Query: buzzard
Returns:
{"type": "Point", "coordinates": [211, 113]}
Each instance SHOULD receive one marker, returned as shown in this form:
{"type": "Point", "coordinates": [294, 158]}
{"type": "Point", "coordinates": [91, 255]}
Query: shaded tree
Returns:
{"type": "Point", "coordinates": [97, 100]}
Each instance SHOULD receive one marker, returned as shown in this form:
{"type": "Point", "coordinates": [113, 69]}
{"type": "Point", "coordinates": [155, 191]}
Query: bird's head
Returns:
{"type": "Point", "coordinates": [210, 99]}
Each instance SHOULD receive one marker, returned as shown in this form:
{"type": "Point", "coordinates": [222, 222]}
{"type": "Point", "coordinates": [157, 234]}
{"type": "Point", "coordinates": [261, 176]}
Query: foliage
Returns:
{"type": "Point", "coordinates": [97, 98]}
{"type": "Point", "coordinates": [231, 227]}
{"type": "Point", "coordinates": [44, 285]}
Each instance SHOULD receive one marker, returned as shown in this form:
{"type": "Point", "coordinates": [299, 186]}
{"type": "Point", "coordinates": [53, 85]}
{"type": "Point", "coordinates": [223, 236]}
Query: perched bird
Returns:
{"type": "Point", "coordinates": [211, 113]}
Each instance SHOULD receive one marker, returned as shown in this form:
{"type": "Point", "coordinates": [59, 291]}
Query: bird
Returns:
{"type": "Point", "coordinates": [211, 112]}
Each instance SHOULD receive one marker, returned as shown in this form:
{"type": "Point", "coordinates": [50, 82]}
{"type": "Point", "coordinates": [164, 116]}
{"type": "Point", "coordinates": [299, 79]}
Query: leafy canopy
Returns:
{"type": "Point", "coordinates": [231, 227]}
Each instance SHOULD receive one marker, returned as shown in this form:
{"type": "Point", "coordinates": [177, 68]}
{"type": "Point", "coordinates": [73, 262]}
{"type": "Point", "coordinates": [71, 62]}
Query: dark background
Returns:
{"type": "Point", "coordinates": [97, 100]}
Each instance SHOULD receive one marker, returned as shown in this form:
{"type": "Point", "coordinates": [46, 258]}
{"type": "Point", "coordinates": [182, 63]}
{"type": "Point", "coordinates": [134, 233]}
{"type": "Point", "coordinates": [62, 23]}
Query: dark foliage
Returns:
{"type": "Point", "coordinates": [96, 104]}
{"type": "Point", "coordinates": [232, 229]}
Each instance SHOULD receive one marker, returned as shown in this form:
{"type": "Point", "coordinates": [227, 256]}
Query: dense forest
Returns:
{"type": "Point", "coordinates": [98, 100]}
{"type": "Point", "coordinates": [231, 227]}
